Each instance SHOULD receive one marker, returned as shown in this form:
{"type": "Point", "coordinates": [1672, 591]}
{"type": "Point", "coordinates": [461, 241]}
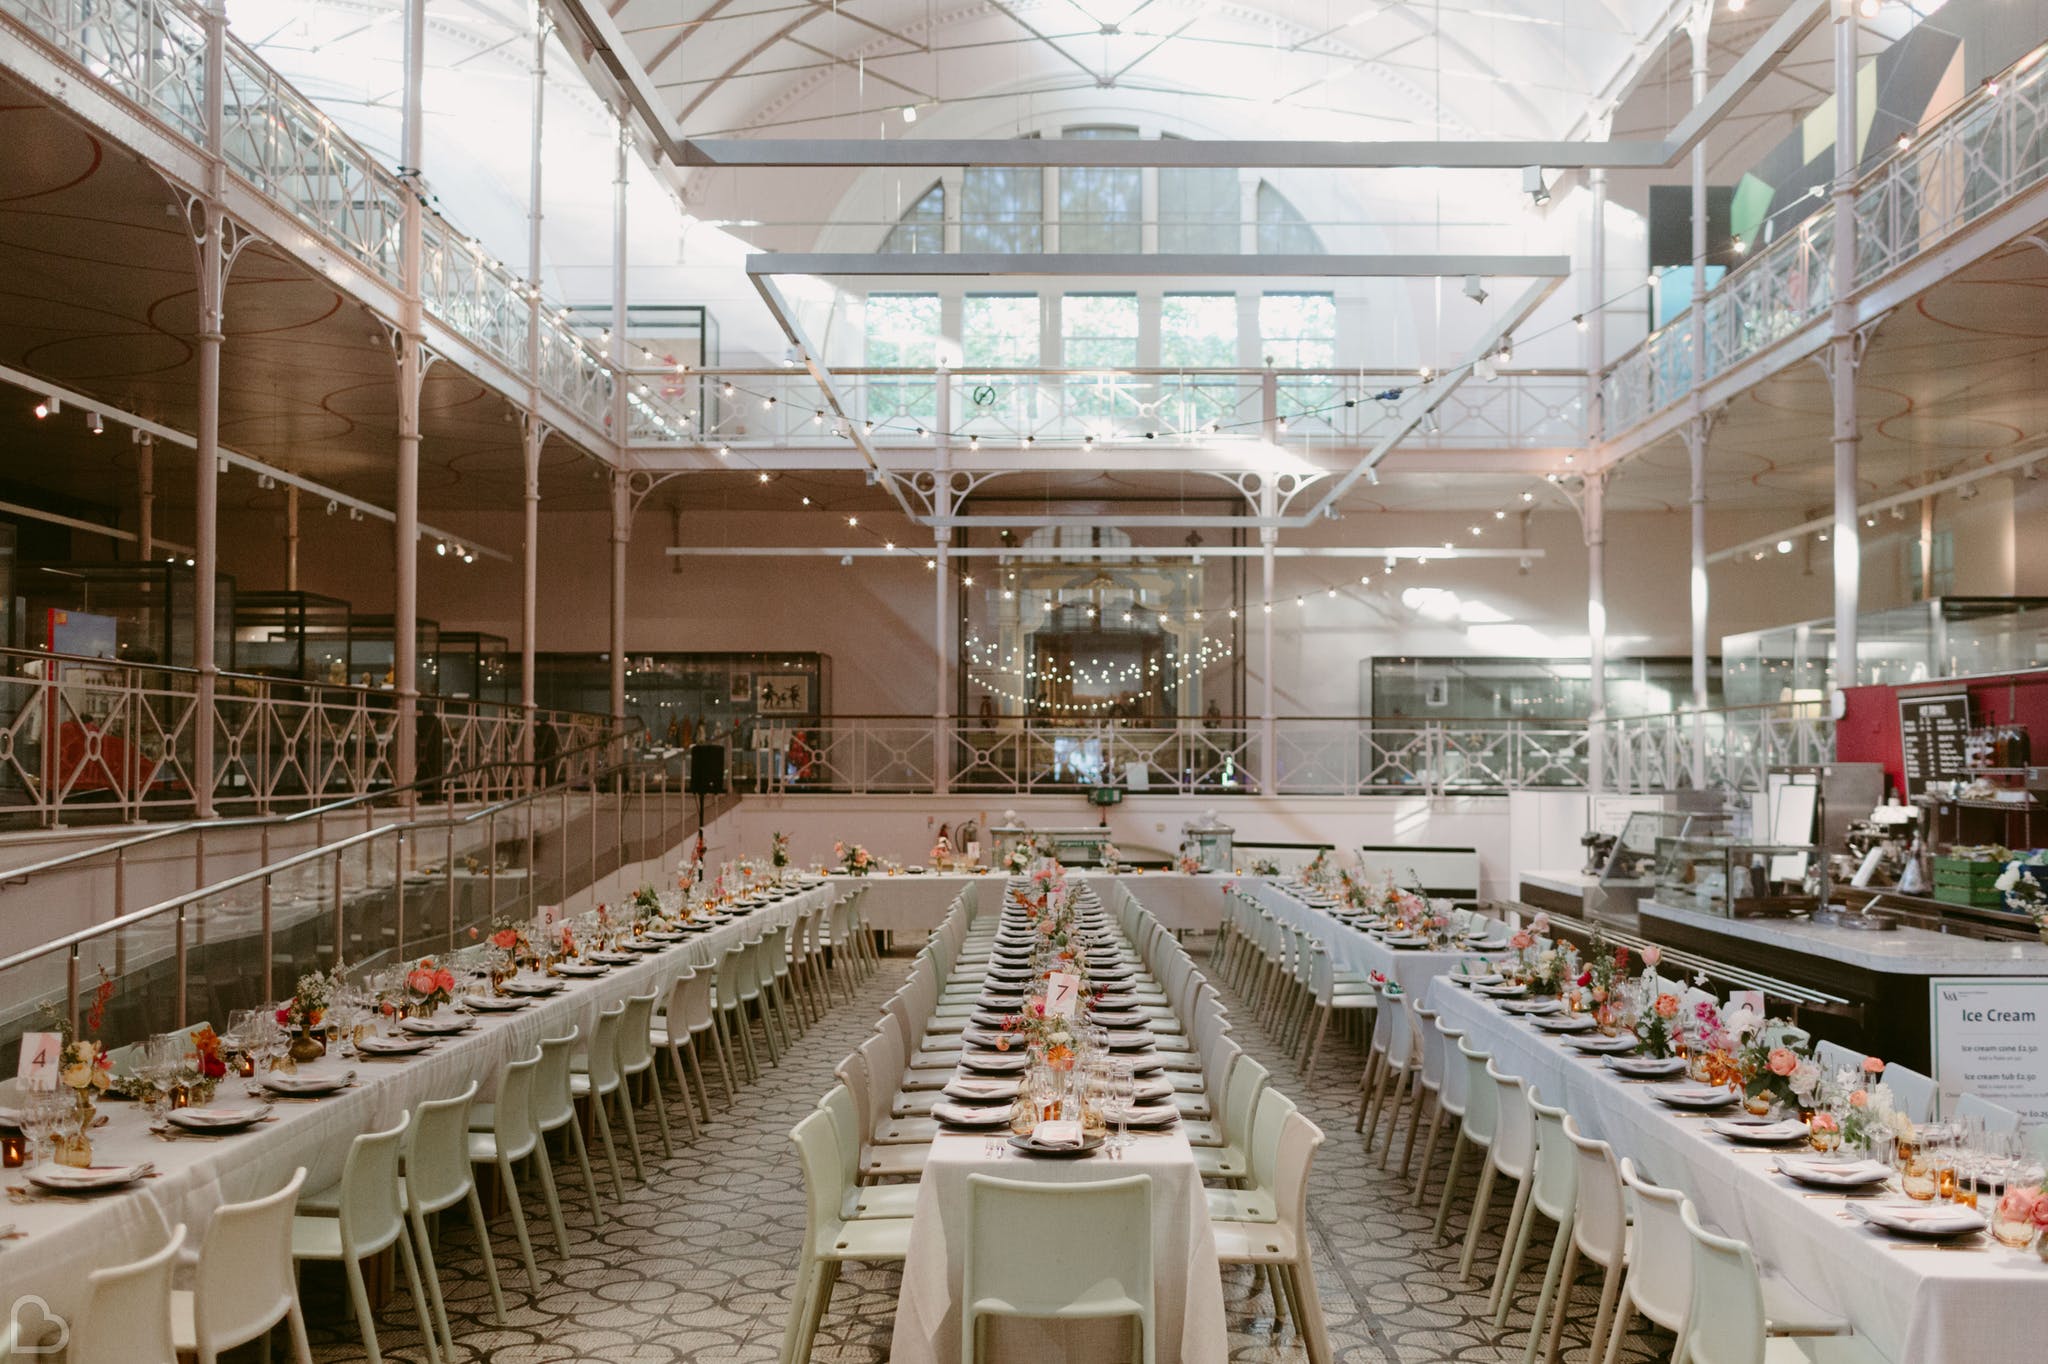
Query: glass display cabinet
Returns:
{"type": "Point", "coordinates": [372, 650]}
{"type": "Point", "coordinates": [300, 635]}
{"type": "Point", "coordinates": [150, 607]}
{"type": "Point", "coordinates": [1731, 878]}
{"type": "Point", "coordinates": [478, 667]}
{"type": "Point", "coordinates": [1642, 838]}
{"type": "Point", "coordinates": [1208, 841]}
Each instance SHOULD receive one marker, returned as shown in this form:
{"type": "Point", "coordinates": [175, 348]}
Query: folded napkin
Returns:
{"type": "Point", "coordinates": [1787, 1130]}
{"type": "Point", "coordinates": [1937, 1214]}
{"type": "Point", "coordinates": [1835, 1171]}
{"type": "Point", "coordinates": [308, 1084]}
{"type": "Point", "coordinates": [1054, 1135]}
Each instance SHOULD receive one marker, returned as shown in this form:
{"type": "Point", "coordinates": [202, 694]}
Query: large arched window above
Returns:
{"type": "Point", "coordinates": [1282, 229]}
{"type": "Point", "coordinates": [921, 231]}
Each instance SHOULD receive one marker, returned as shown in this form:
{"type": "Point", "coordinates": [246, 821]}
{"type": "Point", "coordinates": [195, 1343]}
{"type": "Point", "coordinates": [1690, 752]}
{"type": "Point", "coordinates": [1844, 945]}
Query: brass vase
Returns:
{"type": "Point", "coordinates": [306, 1047]}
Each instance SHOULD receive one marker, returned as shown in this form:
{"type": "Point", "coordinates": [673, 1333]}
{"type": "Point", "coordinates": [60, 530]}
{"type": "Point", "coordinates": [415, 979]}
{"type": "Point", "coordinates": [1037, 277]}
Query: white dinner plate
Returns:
{"type": "Point", "coordinates": [1153, 1115]}
{"type": "Point", "coordinates": [1703, 1098]}
{"type": "Point", "coordinates": [580, 971]}
{"type": "Point", "coordinates": [1920, 1219]}
{"type": "Point", "coordinates": [217, 1119]}
{"type": "Point", "coordinates": [90, 1179]}
{"type": "Point", "coordinates": [1501, 991]}
{"type": "Point", "coordinates": [982, 1089]}
{"type": "Point", "coordinates": [491, 1004]}
{"type": "Point", "coordinates": [1461, 978]}
{"type": "Point", "coordinates": [1612, 1046]}
{"type": "Point", "coordinates": [966, 1115]}
{"type": "Point", "coordinates": [437, 1027]}
{"type": "Point", "coordinates": [1834, 1174]}
{"type": "Point", "coordinates": [1754, 1132]}
{"type": "Point", "coordinates": [996, 1062]}
{"type": "Point", "coordinates": [1531, 1008]}
{"type": "Point", "coordinates": [393, 1046]}
{"type": "Point", "coordinates": [1565, 1023]}
{"type": "Point", "coordinates": [1487, 945]}
{"type": "Point", "coordinates": [300, 1086]}
{"type": "Point", "coordinates": [1647, 1067]}
{"type": "Point", "coordinates": [533, 989]}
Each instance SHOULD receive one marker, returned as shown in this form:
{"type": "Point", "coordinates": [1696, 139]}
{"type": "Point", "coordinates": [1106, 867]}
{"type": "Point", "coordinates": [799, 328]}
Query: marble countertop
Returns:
{"type": "Point", "coordinates": [1905, 951]}
{"type": "Point", "coordinates": [1563, 882]}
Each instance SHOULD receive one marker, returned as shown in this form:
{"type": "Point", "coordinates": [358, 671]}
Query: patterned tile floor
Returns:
{"type": "Point", "coordinates": [696, 1266]}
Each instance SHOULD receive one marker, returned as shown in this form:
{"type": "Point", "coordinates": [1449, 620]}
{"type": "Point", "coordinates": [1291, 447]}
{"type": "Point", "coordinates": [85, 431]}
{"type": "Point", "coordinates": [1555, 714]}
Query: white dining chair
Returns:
{"type": "Point", "coordinates": [1475, 1130]}
{"type": "Point", "coordinates": [554, 1110]}
{"type": "Point", "coordinates": [1021, 1258]}
{"type": "Point", "coordinates": [127, 1313]}
{"type": "Point", "coordinates": [685, 1034]}
{"type": "Point", "coordinates": [243, 1282]}
{"type": "Point", "coordinates": [1996, 1118]}
{"type": "Point", "coordinates": [438, 1176]}
{"type": "Point", "coordinates": [510, 1139]}
{"type": "Point", "coordinates": [368, 1217]}
{"type": "Point", "coordinates": [636, 1066]}
{"type": "Point", "coordinates": [1913, 1094]}
{"type": "Point", "coordinates": [892, 1160]}
{"type": "Point", "coordinates": [830, 1238]}
{"type": "Point", "coordinates": [1450, 1096]}
{"type": "Point", "coordinates": [857, 1199]}
{"type": "Point", "coordinates": [1227, 1155]}
{"type": "Point", "coordinates": [1551, 1191]}
{"type": "Point", "coordinates": [1511, 1155]}
{"type": "Point", "coordinates": [1259, 1201]}
{"type": "Point", "coordinates": [1600, 1234]}
{"type": "Point", "coordinates": [675, 1046]}
{"type": "Point", "coordinates": [1833, 1056]}
{"type": "Point", "coordinates": [1336, 995]}
{"type": "Point", "coordinates": [1736, 1331]}
{"type": "Point", "coordinates": [1282, 1246]}
{"type": "Point", "coordinates": [1427, 1080]}
{"type": "Point", "coordinates": [729, 1000]}
{"type": "Point", "coordinates": [594, 1077]}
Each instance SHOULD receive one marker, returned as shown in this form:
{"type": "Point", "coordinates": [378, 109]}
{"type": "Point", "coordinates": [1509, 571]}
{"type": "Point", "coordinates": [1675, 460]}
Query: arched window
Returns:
{"type": "Point", "coordinates": [1282, 229]}
{"type": "Point", "coordinates": [921, 231]}
{"type": "Point", "coordinates": [1101, 207]}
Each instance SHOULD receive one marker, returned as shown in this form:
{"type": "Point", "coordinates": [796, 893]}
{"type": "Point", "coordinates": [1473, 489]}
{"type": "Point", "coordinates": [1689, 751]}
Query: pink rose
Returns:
{"type": "Point", "coordinates": [1859, 1099]}
{"type": "Point", "coordinates": [1666, 1006]}
{"type": "Point", "coordinates": [1781, 1061]}
{"type": "Point", "coordinates": [1540, 925]}
{"type": "Point", "coordinates": [1521, 942]}
{"type": "Point", "coordinates": [1652, 955]}
{"type": "Point", "coordinates": [1872, 1066]}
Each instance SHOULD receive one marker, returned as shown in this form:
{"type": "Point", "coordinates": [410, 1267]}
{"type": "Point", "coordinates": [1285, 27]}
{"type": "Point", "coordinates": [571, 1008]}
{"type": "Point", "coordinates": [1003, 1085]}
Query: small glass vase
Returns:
{"type": "Point", "coordinates": [76, 1148]}
{"type": "Point", "coordinates": [2017, 1232]}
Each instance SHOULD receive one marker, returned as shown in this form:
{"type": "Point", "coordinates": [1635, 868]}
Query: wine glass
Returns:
{"type": "Point", "coordinates": [42, 1115]}
{"type": "Point", "coordinates": [1123, 1096]}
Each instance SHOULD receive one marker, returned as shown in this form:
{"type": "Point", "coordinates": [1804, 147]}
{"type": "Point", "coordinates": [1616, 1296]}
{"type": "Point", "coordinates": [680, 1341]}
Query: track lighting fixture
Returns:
{"type": "Point", "coordinates": [1533, 186]}
{"type": "Point", "coordinates": [1475, 291]}
{"type": "Point", "coordinates": [49, 407]}
{"type": "Point", "coordinates": [95, 423]}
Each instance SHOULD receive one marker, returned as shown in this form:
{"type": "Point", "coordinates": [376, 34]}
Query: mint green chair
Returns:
{"type": "Point", "coordinates": [1024, 1259]}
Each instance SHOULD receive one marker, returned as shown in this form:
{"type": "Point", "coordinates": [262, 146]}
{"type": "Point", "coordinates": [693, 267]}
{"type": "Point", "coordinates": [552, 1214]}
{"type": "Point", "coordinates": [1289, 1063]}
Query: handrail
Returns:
{"type": "Point", "coordinates": [81, 936]}
{"type": "Point", "coordinates": [20, 875]}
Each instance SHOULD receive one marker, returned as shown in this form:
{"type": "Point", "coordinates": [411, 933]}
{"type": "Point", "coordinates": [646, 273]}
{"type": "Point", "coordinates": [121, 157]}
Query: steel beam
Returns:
{"type": "Point", "coordinates": [1104, 552]}
{"type": "Point", "coordinates": [1167, 265]}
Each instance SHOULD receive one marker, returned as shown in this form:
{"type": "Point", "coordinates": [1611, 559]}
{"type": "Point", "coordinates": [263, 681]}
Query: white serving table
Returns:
{"type": "Point", "coordinates": [1911, 1302]}
{"type": "Point", "coordinates": [1353, 949]}
{"type": "Point", "coordinates": [67, 1237]}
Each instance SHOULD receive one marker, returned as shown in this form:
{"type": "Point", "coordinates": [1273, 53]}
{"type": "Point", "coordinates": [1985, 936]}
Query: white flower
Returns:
{"type": "Point", "coordinates": [2009, 878]}
{"type": "Point", "coordinates": [1805, 1079]}
{"type": "Point", "coordinates": [1742, 1023]}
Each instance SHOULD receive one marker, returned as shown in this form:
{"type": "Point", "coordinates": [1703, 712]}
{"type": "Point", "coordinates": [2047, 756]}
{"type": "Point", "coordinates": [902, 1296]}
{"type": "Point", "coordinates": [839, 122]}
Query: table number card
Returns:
{"type": "Point", "coordinates": [551, 917]}
{"type": "Point", "coordinates": [1062, 994]}
{"type": "Point", "coordinates": [41, 1054]}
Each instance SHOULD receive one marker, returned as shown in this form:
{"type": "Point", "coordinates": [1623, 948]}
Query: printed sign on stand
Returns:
{"type": "Point", "coordinates": [1990, 1039]}
{"type": "Point", "coordinates": [1062, 993]}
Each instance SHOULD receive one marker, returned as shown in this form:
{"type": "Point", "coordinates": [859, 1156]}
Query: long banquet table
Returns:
{"type": "Point", "coordinates": [1912, 1302]}
{"type": "Point", "coordinates": [1188, 1304]}
{"type": "Point", "coordinates": [1354, 949]}
{"type": "Point", "coordinates": [63, 1238]}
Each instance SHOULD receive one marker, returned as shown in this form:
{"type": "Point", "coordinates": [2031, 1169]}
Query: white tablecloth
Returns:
{"type": "Point", "coordinates": [68, 1237]}
{"type": "Point", "coordinates": [1353, 949]}
{"type": "Point", "coordinates": [1187, 1283]}
{"type": "Point", "coordinates": [1915, 1305]}
{"type": "Point", "coordinates": [1187, 1287]}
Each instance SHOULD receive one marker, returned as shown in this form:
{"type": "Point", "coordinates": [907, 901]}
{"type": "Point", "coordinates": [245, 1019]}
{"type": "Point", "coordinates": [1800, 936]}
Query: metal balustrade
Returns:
{"type": "Point", "coordinates": [152, 55]}
{"type": "Point", "coordinates": [1312, 756]}
{"type": "Point", "coordinates": [1729, 749]}
{"type": "Point", "coordinates": [1010, 408]}
{"type": "Point", "coordinates": [377, 898]}
{"type": "Point", "coordinates": [95, 739]}
{"type": "Point", "coordinates": [1984, 152]}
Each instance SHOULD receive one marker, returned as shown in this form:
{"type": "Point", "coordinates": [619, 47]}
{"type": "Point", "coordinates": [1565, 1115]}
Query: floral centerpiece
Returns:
{"type": "Point", "coordinates": [1050, 1036]}
{"type": "Point", "coordinates": [304, 1013]}
{"type": "Point", "coordinates": [778, 851]}
{"type": "Point", "coordinates": [2021, 1217]}
{"type": "Point", "coordinates": [84, 1067]}
{"type": "Point", "coordinates": [1656, 1025]}
{"type": "Point", "coordinates": [1265, 866]}
{"type": "Point", "coordinates": [854, 860]}
{"type": "Point", "coordinates": [1321, 870]}
{"type": "Point", "coordinates": [1112, 860]}
{"type": "Point", "coordinates": [2023, 893]}
{"type": "Point", "coordinates": [1775, 1062]}
{"type": "Point", "coordinates": [428, 986]}
{"type": "Point", "coordinates": [209, 1063]}
{"type": "Point", "coordinates": [1017, 860]}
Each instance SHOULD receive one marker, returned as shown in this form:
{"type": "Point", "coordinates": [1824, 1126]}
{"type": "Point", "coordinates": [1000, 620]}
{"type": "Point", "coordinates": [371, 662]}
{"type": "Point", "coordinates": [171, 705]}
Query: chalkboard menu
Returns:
{"type": "Point", "coordinates": [1931, 731]}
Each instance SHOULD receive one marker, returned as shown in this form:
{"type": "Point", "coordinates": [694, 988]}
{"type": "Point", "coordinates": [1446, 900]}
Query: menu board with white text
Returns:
{"type": "Point", "coordinates": [1990, 1038]}
{"type": "Point", "coordinates": [1932, 730]}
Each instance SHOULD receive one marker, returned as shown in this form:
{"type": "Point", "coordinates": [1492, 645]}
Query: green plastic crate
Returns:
{"type": "Point", "coordinates": [1978, 897]}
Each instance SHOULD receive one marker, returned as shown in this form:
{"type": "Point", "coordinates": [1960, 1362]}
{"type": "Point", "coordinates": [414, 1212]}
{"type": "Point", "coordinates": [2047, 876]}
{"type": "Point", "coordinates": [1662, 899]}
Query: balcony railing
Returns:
{"type": "Point", "coordinates": [1312, 756]}
{"type": "Point", "coordinates": [94, 739]}
{"type": "Point", "coordinates": [1991, 147]}
{"type": "Point", "coordinates": [152, 55]}
{"type": "Point", "coordinates": [1012, 407]}
{"type": "Point", "coordinates": [1728, 749]}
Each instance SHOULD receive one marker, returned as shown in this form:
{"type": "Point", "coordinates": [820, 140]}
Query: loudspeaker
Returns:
{"type": "Point", "coordinates": [707, 770]}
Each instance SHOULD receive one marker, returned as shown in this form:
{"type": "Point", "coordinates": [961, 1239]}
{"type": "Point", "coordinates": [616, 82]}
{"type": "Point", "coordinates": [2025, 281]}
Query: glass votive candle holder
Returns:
{"type": "Point", "coordinates": [13, 1150]}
